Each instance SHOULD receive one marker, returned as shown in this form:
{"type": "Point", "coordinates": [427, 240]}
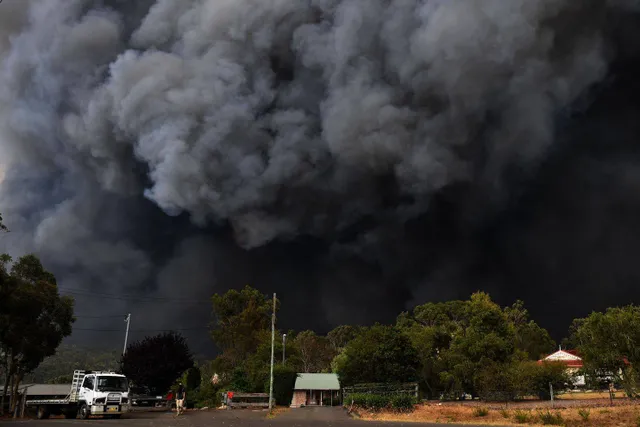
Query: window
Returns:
{"type": "Point", "coordinates": [88, 383]}
{"type": "Point", "coordinates": [112, 383]}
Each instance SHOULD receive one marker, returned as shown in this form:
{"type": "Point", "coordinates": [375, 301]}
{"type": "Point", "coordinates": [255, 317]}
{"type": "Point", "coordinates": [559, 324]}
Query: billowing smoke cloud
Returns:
{"type": "Point", "coordinates": [336, 150]}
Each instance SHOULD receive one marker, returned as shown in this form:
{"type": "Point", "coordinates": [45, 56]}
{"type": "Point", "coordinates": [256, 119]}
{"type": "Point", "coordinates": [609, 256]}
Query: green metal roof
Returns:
{"type": "Point", "coordinates": [317, 382]}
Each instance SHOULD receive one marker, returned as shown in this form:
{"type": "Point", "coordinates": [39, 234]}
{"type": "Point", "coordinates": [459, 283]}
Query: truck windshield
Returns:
{"type": "Point", "coordinates": [112, 384]}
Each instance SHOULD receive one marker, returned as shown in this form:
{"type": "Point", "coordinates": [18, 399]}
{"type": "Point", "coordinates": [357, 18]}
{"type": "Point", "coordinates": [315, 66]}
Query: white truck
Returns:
{"type": "Point", "coordinates": [92, 393]}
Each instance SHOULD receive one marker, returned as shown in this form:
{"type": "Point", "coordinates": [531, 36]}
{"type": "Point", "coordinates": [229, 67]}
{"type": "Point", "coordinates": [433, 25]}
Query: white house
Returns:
{"type": "Point", "coordinates": [571, 360]}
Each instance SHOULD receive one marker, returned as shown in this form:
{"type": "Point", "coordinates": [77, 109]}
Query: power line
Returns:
{"type": "Point", "coordinates": [199, 328]}
{"type": "Point", "coordinates": [125, 297]}
{"type": "Point", "coordinates": [99, 317]}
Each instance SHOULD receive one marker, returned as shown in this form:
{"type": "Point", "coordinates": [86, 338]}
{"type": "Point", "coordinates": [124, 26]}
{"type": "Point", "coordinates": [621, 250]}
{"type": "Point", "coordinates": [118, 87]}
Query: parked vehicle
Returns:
{"type": "Point", "coordinates": [92, 393]}
{"type": "Point", "coordinates": [141, 396]}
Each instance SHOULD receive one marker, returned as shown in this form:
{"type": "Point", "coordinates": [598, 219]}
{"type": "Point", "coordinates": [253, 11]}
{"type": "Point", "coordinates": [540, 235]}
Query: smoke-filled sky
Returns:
{"type": "Point", "coordinates": [356, 157]}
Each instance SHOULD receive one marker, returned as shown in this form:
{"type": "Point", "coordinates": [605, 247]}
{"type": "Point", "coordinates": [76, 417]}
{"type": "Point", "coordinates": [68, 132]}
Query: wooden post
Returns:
{"type": "Point", "coordinates": [273, 337]}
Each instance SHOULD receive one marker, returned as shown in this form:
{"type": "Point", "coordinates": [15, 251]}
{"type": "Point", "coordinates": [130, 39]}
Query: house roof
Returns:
{"type": "Point", "coordinates": [569, 358]}
{"type": "Point", "coordinates": [317, 382]}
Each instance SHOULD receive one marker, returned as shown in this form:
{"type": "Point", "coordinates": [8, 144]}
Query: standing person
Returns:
{"type": "Point", "coordinates": [181, 395]}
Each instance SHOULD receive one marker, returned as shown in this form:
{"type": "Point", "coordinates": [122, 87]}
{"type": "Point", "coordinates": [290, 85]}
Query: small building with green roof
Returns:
{"type": "Point", "coordinates": [316, 390]}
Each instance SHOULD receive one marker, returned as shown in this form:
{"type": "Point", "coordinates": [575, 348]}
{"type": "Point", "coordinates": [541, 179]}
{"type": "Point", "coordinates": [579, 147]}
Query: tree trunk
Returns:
{"type": "Point", "coordinates": [8, 368]}
{"type": "Point", "coordinates": [17, 378]}
{"type": "Point", "coordinates": [10, 391]}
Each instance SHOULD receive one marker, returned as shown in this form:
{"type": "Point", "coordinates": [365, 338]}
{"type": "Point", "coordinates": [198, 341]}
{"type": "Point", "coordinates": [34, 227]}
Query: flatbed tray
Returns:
{"type": "Point", "coordinates": [48, 402]}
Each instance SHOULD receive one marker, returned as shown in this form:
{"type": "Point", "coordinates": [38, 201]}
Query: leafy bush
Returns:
{"type": "Point", "coordinates": [377, 402]}
{"type": "Point", "coordinates": [522, 417]}
{"type": "Point", "coordinates": [480, 412]}
{"type": "Point", "coordinates": [547, 418]}
{"type": "Point", "coordinates": [191, 378]}
{"type": "Point", "coordinates": [207, 395]}
{"type": "Point", "coordinates": [402, 403]}
{"type": "Point", "coordinates": [584, 414]}
{"type": "Point", "coordinates": [284, 379]}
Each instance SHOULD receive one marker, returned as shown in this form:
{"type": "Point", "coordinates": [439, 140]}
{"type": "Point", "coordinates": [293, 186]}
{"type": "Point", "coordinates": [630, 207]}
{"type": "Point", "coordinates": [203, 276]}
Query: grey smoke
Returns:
{"type": "Point", "coordinates": [280, 118]}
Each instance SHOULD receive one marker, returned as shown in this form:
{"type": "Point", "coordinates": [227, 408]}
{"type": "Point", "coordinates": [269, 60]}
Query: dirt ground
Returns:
{"type": "Point", "coordinates": [595, 412]}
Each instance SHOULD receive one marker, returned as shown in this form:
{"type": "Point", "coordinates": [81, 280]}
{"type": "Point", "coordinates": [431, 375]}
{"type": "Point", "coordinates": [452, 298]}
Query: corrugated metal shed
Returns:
{"type": "Point", "coordinates": [317, 382]}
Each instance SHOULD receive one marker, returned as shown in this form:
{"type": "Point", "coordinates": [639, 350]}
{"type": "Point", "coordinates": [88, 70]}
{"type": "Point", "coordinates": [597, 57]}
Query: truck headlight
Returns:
{"type": "Point", "coordinates": [99, 401]}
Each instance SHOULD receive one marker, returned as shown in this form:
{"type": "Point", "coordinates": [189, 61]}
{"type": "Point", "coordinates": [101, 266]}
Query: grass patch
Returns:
{"type": "Point", "coordinates": [584, 413]}
{"type": "Point", "coordinates": [504, 413]}
{"type": "Point", "coordinates": [547, 418]}
{"type": "Point", "coordinates": [522, 417]}
{"type": "Point", "coordinates": [480, 412]}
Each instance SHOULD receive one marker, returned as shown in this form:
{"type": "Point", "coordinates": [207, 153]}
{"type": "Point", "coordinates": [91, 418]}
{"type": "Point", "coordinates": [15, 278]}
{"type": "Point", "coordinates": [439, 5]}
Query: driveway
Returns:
{"type": "Point", "coordinates": [302, 417]}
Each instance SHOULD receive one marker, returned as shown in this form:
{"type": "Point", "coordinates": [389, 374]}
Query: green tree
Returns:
{"type": "Point", "coordinates": [530, 337]}
{"type": "Point", "coordinates": [379, 354]}
{"type": "Point", "coordinates": [487, 339]}
{"type": "Point", "coordinates": [342, 335]}
{"type": "Point", "coordinates": [240, 319]}
{"type": "Point", "coordinates": [156, 362]}
{"type": "Point", "coordinates": [33, 321]}
{"type": "Point", "coordinates": [520, 378]}
{"type": "Point", "coordinates": [431, 328]}
{"type": "Point", "coordinates": [2, 226]}
{"type": "Point", "coordinates": [609, 342]}
{"type": "Point", "coordinates": [315, 352]}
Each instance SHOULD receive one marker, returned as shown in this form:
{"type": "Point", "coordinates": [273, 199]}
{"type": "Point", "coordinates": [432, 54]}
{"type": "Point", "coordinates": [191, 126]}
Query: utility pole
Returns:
{"type": "Point", "coordinates": [126, 335]}
{"type": "Point", "coordinates": [273, 342]}
{"type": "Point", "coordinates": [284, 343]}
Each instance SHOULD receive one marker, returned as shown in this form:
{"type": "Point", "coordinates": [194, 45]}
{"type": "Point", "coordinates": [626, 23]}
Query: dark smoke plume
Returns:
{"type": "Point", "coordinates": [356, 156]}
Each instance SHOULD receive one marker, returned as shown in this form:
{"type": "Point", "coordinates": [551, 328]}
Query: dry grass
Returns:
{"type": "Point", "coordinates": [590, 395]}
{"type": "Point", "coordinates": [278, 410]}
{"type": "Point", "coordinates": [465, 414]}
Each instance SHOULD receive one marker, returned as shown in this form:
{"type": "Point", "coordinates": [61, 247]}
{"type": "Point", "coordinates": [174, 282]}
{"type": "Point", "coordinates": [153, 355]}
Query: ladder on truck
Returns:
{"type": "Point", "coordinates": [78, 376]}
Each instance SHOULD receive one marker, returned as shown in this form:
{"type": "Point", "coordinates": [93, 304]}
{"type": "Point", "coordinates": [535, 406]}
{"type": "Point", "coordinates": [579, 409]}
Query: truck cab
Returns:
{"type": "Point", "coordinates": [103, 393]}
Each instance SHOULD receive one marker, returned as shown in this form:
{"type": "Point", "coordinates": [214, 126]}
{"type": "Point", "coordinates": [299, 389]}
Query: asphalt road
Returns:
{"type": "Point", "coordinates": [311, 417]}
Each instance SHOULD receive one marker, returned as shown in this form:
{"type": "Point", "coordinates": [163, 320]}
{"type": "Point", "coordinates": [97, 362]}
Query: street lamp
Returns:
{"type": "Point", "coordinates": [284, 340]}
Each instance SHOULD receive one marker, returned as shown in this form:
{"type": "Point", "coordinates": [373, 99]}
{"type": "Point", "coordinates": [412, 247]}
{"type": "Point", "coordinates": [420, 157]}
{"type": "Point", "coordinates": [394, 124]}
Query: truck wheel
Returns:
{"type": "Point", "coordinates": [84, 412]}
{"type": "Point", "coordinates": [43, 413]}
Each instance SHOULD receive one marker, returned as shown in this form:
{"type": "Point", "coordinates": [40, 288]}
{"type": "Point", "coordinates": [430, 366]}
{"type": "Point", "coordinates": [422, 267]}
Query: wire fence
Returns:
{"type": "Point", "coordinates": [396, 389]}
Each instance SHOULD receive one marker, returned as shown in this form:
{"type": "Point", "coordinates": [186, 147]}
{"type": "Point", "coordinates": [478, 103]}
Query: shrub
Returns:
{"type": "Point", "coordinates": [584, 414]}
{"type": "Point", "coordinates": [547, 418]}
{"type": "Point", "coordinates": [376, 402]}
{"type": "Point", "coordinates": [522, 417]}
{"type": "Point", "coordinates": [504, 413]}
{"type": "Point", "coordinates": [284, 379]}
{"type": "Point", "coordinates": [402, 403]}
{"type": "Point", "coordinates": [480, 412]}
{"type": "Point", "coordinates": [207, 395]}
